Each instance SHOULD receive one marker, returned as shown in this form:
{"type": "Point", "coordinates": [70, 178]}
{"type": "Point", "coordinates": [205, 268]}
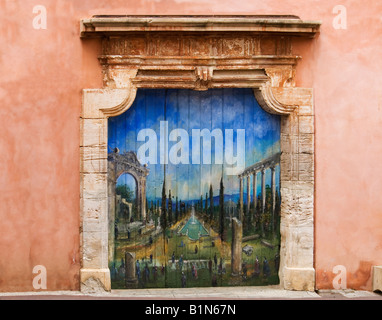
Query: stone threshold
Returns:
{"type": "Point", "coordinates": [196, 294]}
{"type": "Point", "coordinates": [217, 293]}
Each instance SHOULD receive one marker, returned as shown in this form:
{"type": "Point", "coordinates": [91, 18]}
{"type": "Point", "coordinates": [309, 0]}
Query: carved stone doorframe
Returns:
{"type": "Point", "coordinates": [200, 53]}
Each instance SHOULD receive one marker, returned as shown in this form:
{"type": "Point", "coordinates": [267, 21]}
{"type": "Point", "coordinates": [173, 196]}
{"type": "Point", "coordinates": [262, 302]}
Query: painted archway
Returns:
{"type": "Point", "coordinates": [118, 164]}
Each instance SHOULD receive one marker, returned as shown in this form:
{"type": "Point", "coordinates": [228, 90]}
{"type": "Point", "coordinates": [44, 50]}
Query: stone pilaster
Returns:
{"type": "Point", "coordinates": [96, 225]}
{"type": "Point", "coordinates": [297, 191]}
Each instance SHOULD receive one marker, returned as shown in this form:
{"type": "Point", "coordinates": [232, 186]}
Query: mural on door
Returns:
{"type": "Point", "coordinates": [194, 200]}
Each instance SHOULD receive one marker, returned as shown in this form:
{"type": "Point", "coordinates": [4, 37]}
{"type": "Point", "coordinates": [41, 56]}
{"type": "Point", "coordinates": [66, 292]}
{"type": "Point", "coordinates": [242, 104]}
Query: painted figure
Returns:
{"type": "Point", "coordinates": [183, 280]}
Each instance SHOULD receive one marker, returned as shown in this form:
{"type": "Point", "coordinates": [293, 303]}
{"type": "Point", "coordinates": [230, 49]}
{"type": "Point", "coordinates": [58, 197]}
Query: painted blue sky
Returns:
{"type": "Point", "coordinates": [187, 109]}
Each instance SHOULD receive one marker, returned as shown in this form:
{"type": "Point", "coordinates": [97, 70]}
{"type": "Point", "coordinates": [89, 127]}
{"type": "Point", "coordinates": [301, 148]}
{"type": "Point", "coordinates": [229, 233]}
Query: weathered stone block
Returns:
{"type": "Point", "coordinates": [293, 124]}
{"type": "Point", "coordinates": [286, 161]}
{"type": "Point", "coordinates": [306, 124]}
{"type": "Point", "coordinates": [305, 110]}
{"type": "Point", "coordinates": [95, 280]}
{"type": "Point", "coordinates": [93, 159]}
{"type": "Point", "coordinates": [289, 167]}
{"type": "Point", "coordinates": [94, 185]}
{"type": "Point", "coordinates": [295, 96]}
{"type": "Point", "coordinates": [94, 215]}
{"type": "Point", "coordinates": [306, 167]}
{"type": "Point", "coordinates": [305, 188]}
{"type": "Point", "coordinates": [94, 250]}
{"type": "Point", "coordinates": [289, 143]}
{"type": "Point", "coordinates": [306, 143]}
{"type": "Point", "coordinates": [93, 208]}
{"type": "Point", "coordinates": [299, 215]}
{"type": "Point", "coordinates": [377, 278]}
{"type": "Point", "coordinates": [93, 132]}
{"type": "Point", "coordinates": [299, 279]}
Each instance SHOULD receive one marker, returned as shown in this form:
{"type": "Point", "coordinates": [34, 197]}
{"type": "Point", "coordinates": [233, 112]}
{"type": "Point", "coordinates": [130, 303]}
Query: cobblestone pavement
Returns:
{"type": "Point", "coordinates": [239, 293]}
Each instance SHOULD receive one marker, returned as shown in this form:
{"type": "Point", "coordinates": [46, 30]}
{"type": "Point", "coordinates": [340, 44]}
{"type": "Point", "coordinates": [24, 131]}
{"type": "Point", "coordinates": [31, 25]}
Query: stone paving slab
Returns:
{"type": "Point", "coordinates": [349, 294]}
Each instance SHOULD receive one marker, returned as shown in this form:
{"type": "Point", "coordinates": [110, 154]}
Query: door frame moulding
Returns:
{"type": "Point", "coordinates": [200, 53]}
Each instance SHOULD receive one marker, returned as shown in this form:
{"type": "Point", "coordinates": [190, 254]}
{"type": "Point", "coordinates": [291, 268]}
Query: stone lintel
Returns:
{"type": "Point", "coordinates": [281, 24]}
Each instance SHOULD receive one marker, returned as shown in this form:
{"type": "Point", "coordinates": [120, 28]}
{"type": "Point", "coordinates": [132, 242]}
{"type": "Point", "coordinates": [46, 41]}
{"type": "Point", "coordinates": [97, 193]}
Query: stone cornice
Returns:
{"type": "Point", "coordinates": [198, 52]}
{"type": "Point", "coordinates": [116, 25]}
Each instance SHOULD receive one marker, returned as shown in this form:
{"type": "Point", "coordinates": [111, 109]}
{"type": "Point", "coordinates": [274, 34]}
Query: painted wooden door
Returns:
{"type": "Point", "coordinates": [194, 190]}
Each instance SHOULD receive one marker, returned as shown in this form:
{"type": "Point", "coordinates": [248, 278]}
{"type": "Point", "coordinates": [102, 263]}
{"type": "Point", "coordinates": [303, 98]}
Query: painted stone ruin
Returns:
{"type": "Point", "coordinates": [194, 180]}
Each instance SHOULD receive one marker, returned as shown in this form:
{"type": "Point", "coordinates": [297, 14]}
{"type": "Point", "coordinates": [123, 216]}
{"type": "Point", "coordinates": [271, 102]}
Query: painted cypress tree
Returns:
{"type": "Point", "coordinates": [163, 216]}
{"type": "Point", "coordinates": [176, 210]}
{"type": "Point", "coordinates": [147, 210]}
{"type": "Point", "coordinates": [206, 206]}
{"type": "Point", "coordinates": [221, 210]}
{"type": "Point", "coordinates": [169, 209]}
{"type": "Point", "coordinates": [180, 209]}
{"type": "Point", "coordinates": [211, 203]}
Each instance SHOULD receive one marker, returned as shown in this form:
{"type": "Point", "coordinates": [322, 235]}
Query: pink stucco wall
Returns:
{"type": "Point", "coordinates": [44, 71]}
